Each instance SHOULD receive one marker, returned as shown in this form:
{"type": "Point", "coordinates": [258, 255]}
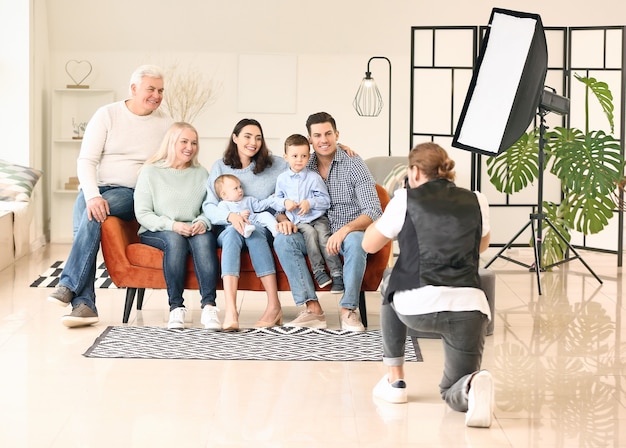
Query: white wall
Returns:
{"type": "Point", "coordinates": [23, 92]}
{"type": "Point", "coordinates": [15, 95]}
{"type": "Point", "coordinates": [332, 41]}
{"type": "Point", "coordinates": [40, 99]}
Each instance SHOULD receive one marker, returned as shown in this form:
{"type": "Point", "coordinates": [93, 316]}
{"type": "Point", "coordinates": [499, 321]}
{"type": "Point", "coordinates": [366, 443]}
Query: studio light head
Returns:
{"type": "Point", "coordinates": [552, 102]}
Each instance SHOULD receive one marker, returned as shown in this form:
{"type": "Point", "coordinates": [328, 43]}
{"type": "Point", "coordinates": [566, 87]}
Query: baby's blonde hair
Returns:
{"type": "Point", "coordinates": [219, 183]}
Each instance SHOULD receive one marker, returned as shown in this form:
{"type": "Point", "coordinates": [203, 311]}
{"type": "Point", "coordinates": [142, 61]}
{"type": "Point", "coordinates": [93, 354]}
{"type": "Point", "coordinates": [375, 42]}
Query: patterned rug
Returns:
{"type": "Point", "coordinates": [265, 344]}
{"type": "Point", "coordinates": [50, 278]}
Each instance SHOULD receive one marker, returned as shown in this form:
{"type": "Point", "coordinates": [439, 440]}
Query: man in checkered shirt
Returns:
{"type": "Point", "coordinates": [354, 205]}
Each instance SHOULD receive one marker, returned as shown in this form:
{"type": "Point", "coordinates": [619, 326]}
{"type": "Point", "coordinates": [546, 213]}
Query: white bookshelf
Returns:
{"type": "Point", "coordinates": [78, 105]}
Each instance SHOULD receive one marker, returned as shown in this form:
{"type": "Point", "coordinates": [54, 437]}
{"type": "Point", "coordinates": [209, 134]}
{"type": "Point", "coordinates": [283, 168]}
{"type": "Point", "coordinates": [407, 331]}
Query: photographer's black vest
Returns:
{"type": "Point", "coordinates": [440, 240]}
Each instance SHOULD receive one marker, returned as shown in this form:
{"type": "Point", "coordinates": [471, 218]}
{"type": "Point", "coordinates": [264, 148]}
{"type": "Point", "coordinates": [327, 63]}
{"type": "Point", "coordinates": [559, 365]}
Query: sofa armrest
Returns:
{"type": "Point", "coordinates": [377, 262]}
{"type": "Point", "coordinates": [116, 236]}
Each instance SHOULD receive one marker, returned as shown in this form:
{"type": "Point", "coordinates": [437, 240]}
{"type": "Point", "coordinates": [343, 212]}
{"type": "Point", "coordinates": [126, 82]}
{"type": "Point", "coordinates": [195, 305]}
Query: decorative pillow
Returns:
{"type": "Point", "coordinates": [395, 178]}
{"type": "Point", "coordinates": [17, 182]}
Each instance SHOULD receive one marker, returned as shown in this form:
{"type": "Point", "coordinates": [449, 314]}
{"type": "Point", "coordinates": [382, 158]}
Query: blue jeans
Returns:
{"type": "Point", "coordinates": [463, 337]}
{"type": "Point", "coordinates": [175, 249]}
{"type": "Point", "coordinates": [80, 269]}
{"type": "Point", "coordinates": [291, 250]}
{"type": "Point", "coordinates": [232, 243]}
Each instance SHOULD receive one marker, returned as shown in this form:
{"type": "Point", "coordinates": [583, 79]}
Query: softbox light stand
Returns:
{"type": "Point", "coordinates": [539, 218]}
{"type": "Point", "coordinates": [505, 94]}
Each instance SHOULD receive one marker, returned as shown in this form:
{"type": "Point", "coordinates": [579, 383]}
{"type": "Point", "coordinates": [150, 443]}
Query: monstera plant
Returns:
{"type": "Point", "coordinates": [589, 165]}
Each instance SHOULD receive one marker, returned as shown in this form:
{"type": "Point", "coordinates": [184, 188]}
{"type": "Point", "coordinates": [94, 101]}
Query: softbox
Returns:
{"type": "Point", "coordinates": [507, 83]}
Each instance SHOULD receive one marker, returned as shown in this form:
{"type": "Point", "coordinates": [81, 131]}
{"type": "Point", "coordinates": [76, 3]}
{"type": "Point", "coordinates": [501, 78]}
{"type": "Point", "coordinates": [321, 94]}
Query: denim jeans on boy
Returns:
{"type": "Point", "coordinates": [80, 268]}
{"type": "Point", "coordinates": [316, 234]}
{"type": "Point", "coordinates": [291, 250]}
{"type": "Point", "coordinates": [463, 337]}
{"type": "Point", "coordinates": [175, 249]}
{"type": "Point", "coordinates": [232, 243]}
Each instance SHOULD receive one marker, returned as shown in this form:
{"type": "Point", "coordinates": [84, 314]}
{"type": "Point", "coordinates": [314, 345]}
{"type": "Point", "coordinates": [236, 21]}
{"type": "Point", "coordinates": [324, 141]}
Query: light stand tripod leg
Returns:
{"type": "Point", "coordinates": [537, 249]}
{"type": "Point", "coordinates": [508, 245]}
{"type": "Point", "coordinates": [570, 247]}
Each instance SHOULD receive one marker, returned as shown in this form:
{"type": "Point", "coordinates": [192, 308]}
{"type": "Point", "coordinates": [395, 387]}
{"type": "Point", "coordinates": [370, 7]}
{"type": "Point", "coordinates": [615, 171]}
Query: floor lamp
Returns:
{"type": "Point", "coordinates": [368, 102]}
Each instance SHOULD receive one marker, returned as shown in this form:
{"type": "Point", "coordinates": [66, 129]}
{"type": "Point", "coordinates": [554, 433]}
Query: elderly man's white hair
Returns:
{"type": "Point", "coordinates": [151, 71]}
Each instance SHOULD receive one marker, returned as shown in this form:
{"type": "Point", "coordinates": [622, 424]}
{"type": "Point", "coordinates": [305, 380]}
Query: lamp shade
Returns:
{"type": "Point", "coordinates": [368, 102]}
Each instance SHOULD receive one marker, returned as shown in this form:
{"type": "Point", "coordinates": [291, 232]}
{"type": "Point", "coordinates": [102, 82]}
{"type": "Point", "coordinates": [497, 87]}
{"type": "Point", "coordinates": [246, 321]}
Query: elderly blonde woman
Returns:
{"type": "Point", "coordinates": [168, 206]}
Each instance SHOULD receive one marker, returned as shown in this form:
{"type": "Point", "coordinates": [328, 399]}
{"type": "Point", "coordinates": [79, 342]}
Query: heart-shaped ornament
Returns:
{"type": "Point", "coordinates": [78, 70]}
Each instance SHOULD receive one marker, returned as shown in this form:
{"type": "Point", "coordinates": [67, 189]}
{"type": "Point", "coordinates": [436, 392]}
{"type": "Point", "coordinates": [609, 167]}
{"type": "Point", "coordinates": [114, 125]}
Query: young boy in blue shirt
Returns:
{"type": "Point", "coordinates": [306, 201]}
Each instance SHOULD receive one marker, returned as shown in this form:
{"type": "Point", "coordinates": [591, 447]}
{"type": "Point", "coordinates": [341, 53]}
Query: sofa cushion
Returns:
{"type": "Point", "coordinates": [17, 181]}
{"type": "Point", "coordinates": [395, 178]}
{"type": "Point", "coordinates": [145, 256]}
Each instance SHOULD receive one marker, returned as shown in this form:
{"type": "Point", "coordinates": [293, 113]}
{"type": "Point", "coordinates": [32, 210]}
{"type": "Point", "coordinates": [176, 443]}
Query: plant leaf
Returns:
{"type": "Point", "coordinates": [603, 94]}
{"type": "Point", "coordinates": [583, 161]}
{"type": "Point", "coordinates": [518, 166]}
{"type": "Point", "coordinates": [588, 214]}
{"type": "Point", "coordinates": [589, 167]}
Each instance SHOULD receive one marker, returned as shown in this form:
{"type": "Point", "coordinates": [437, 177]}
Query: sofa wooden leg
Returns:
{"type": "Point", "coordinates": [363, 308]}
{"type": "Point", "coordinates": [140, 293]}
{"type": "Point", "coordinates": [128, 305]}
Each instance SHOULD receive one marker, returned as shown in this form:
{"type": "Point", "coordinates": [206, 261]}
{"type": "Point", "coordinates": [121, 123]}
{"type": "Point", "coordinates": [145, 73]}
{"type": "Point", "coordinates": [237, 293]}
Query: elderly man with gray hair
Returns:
{"type": "Point", "coordinates": [118, 139]}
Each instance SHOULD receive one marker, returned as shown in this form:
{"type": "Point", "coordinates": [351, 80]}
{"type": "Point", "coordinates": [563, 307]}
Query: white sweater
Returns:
{"type": "Point", "coordinates": [115, 146]}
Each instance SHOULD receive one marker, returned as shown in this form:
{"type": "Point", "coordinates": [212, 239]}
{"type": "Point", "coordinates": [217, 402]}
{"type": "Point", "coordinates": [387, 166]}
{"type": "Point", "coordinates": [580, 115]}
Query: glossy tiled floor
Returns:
{"type": "Point", "coordinates": [558, 361]}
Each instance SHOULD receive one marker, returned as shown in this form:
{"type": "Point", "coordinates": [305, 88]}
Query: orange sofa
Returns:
{"type": "Point", "coordinates": [137, 266]}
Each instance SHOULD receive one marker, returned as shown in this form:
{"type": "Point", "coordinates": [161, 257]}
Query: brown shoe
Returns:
{"type": "Point", "coordinates": [80, 316]}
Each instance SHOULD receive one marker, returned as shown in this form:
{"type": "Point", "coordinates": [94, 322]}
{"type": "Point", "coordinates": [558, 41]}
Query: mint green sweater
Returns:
{"type": "Point", "coordinates": [165, 195]}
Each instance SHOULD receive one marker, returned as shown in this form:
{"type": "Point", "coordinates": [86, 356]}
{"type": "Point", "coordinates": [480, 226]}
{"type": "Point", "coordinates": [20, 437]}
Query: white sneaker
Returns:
{"type": "Point", "coordinates": [177, 318]}
{"type": "Point", "coordinates": [209, 318]}
{"type": "Point", "coordinates": [391, 392]}
{"type": "Point", "coordinates": [480, 400]}
{"type": "Point", "coordinates": [248, 229]}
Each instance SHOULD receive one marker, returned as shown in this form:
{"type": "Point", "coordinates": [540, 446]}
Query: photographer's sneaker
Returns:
{"type": "Point", "coordinates": [62, 295]}
{"type": "Point", "coordinates": [351, 321]}
{"type": "Point", "coordinates": [391, 392]}
{"type": "Point", "coordinates": [81, 316]}
{"type": "Point", "coordinates": [209, 318]}
{"type": "Point", "coordinates": [177, 318]}
{"type": "Point", "coordinates": [480, 400]}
